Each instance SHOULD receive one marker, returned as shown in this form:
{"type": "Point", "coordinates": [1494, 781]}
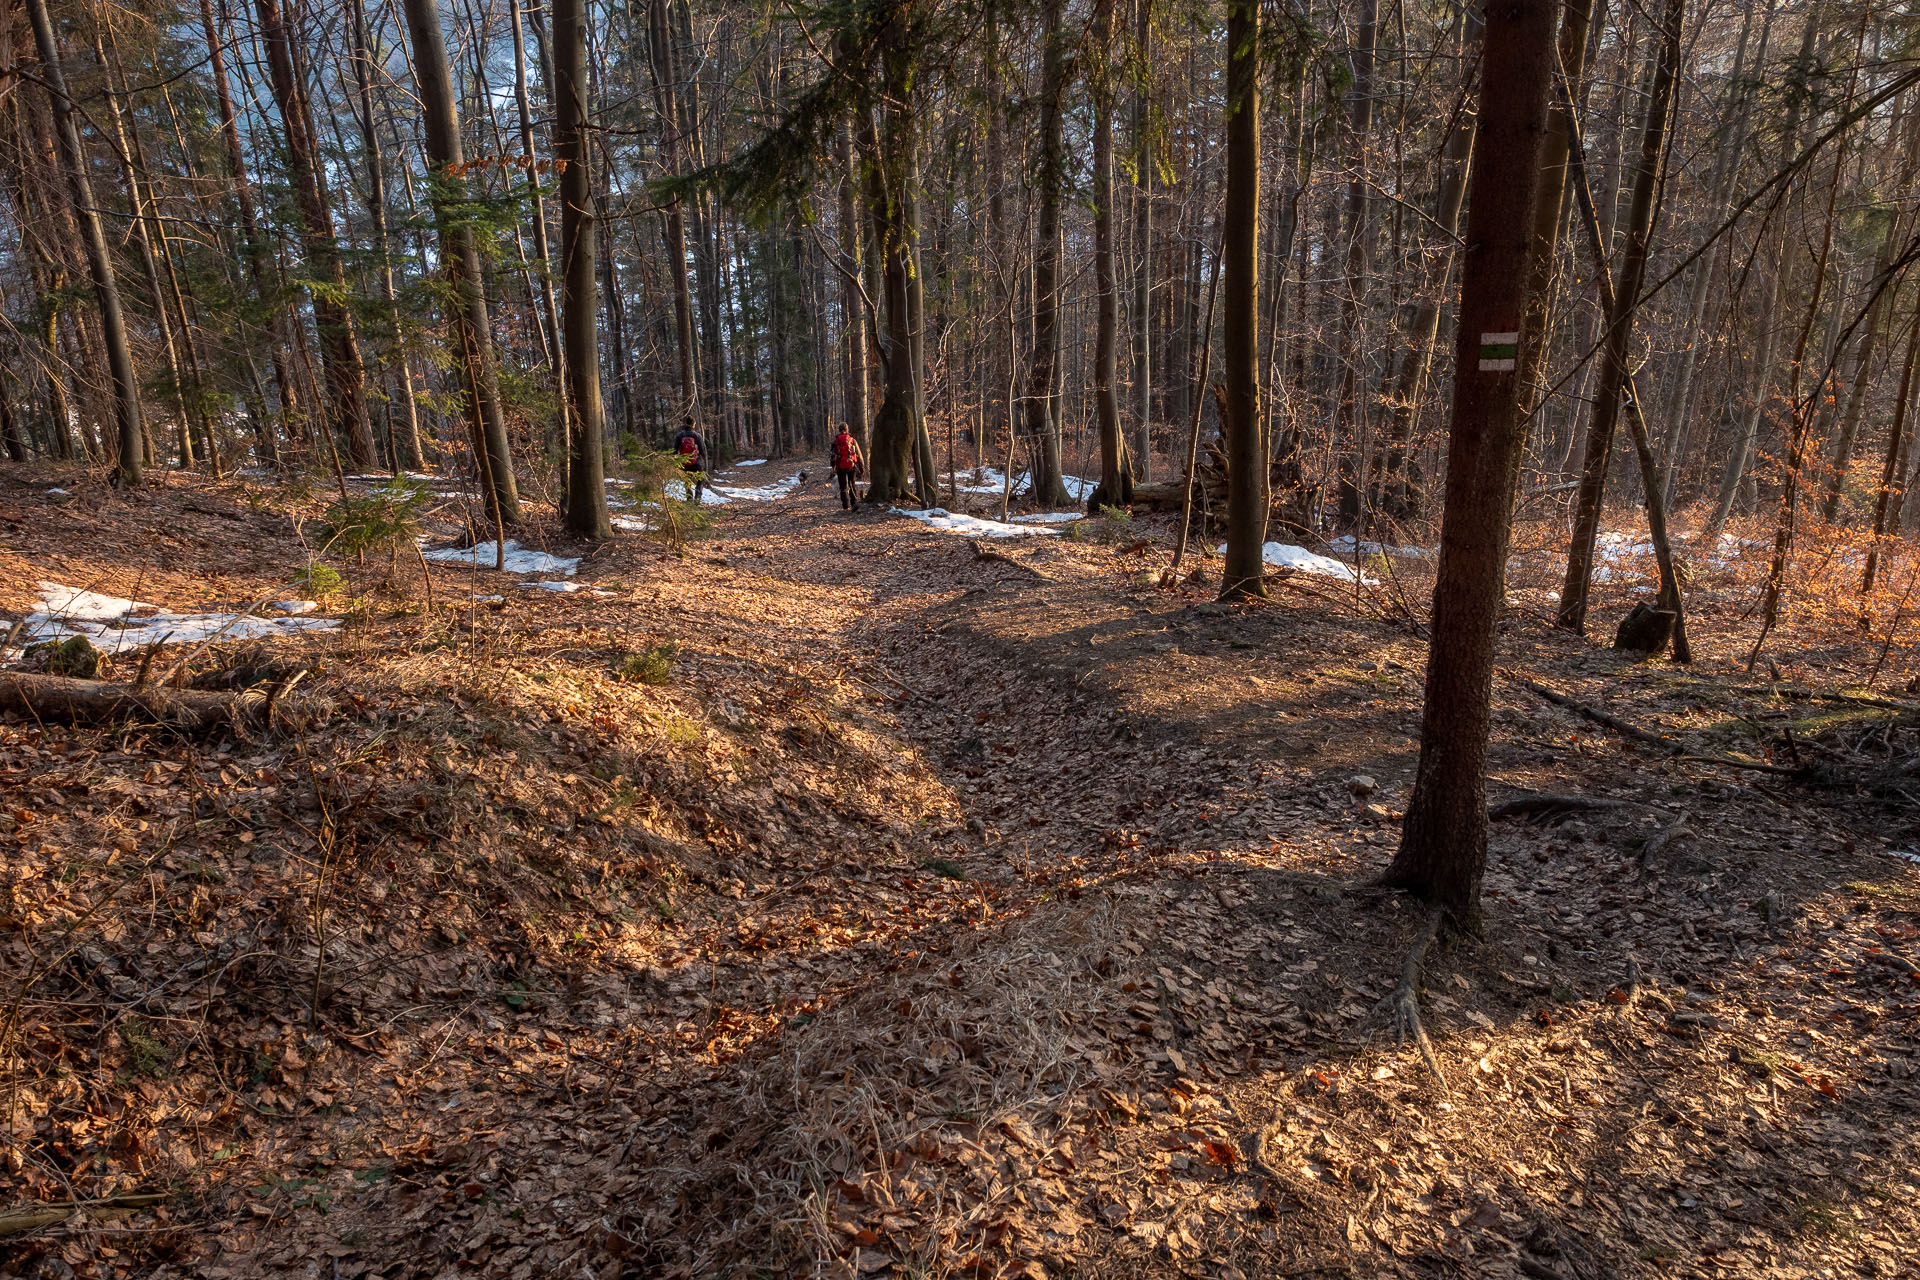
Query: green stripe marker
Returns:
{"type": "Point", "coordinates": [1499, 352]}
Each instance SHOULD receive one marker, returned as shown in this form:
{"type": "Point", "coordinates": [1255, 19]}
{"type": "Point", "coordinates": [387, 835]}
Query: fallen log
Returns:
{"type": "Point", "coordinates": [65, 700]}
{"type": "Point", "coordinates": [29, 1217]}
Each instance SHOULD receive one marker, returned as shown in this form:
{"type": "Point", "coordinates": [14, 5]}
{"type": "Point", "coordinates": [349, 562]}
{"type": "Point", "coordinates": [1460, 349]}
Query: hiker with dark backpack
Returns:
{"type": "Point", "coordinates": [692, 452]}
{"type": "Point", "coordinates": [848, 466]}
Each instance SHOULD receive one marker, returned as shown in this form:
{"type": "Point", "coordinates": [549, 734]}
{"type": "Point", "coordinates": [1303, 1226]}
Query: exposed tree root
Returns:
{"type": "Point", "coordinates": [1619, 726]}
{"type": "Point", "coordinates": [1401, 1006]}
{"type": "Point", "coordinates": [1534, 804]}
{"type": "Point", "coordinates": [28, 1217]}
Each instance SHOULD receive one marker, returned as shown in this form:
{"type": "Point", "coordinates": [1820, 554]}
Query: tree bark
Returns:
{"type": "Point", "coordinates": [1443, 848]}
{"type": "Point", "coordinates": [1245, 570]}
{"type": "Point", "coordinates": [1046, 487]}
{"type": "Point", "coordinates": [1883, 496]}
{"type": "Point", "coordinates": [580, 301]}
{"type": "Point", "coordinates": [1116, 471]}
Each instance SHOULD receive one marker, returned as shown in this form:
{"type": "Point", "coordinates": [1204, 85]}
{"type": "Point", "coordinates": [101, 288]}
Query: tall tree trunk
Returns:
{"type": "Point", "coordinates": [1443, 848]}
{"type": "Point", "coordinates": [1047, 489]}
{"type": "Point", "coordinates": [1143, 161]}
{"type": "Point", "coordinates": [1116, 473]}
{"type": "Point", "coordinates": [1749, 430]}
{"type": "Point", "coordinates": [339, 344]}
{"type": "Point", "coordinates": [253, 244]}
{"type": "Point", "coordinates": [580, 339]}
{"type": "Point", "coordinates": [1726, 171]}
{"type": "Point", "coordinates": [1398, 490]}
{"type": "Point", "coordinates": [549, 315]}
{"type": "Point", "coordinates": [1245, 570]}
{"type": "Point", "coordinates": [1653, 485]}
{"type": "Point", "coordinates": [408, 445]}
{"type": "Point", "coordinates": [145, 233]}
{"type": "Point", "coordinates": [460, 259]}
{"type": "Point", "coordinates": [667, 107]}
{"type": "Point", "coordinates": [130, 425]}
{"type": "Point", "coordinates": [1350, 426]}
{"type": "Point", "coordinates": [1883, 495]}
{"type": "Point", "coordinates": [853, 306]}
{"type": "Point", "coordinates": [1614, 352]}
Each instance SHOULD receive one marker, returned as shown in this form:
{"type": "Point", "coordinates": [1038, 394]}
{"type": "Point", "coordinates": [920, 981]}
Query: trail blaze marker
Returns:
{"type": "Point", "coordinates": [1499, 352]}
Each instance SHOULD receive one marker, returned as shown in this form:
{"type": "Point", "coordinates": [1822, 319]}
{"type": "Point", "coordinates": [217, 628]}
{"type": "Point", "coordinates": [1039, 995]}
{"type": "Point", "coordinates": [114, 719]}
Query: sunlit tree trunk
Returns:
{"type": "Point", "coordinates": [1047, 488]}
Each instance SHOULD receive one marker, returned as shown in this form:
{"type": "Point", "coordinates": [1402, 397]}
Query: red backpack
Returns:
{"type": "Point", "coordinates": [689, 450]}
{"type": "Point", "coordinates": [846, 452]}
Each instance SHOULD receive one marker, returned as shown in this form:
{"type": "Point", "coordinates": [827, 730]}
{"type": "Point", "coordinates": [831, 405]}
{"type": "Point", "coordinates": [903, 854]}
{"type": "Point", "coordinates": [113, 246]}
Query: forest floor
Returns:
{"type": "Point", "coordinates": [833, 900]}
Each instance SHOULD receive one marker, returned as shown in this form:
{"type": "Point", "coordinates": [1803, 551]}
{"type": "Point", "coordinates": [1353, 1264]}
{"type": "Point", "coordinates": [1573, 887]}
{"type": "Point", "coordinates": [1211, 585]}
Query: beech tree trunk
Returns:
{"type": "Point", "coordinates": [1443, 848]}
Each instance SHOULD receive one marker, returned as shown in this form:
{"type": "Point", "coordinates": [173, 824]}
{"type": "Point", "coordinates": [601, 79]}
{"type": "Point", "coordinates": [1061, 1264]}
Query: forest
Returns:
{"type": "Point", "coordinates": [959, 639]}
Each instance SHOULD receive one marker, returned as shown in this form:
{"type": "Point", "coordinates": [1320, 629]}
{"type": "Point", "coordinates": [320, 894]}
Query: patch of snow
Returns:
{"type": "Point", "coordinates": [1346, 545]}
{"type": "Point", "coordinates": [486, 599]}
{"type": "Point", "coordinates": [518, 558]}
{"type": "Point", "coordinates": [994, 480]}
{"type": "Point", "coordinates": [752, 462]}
{"type": "Point", "coordinates": [293, 606]}
{"type": "Point", "coordinates": [1905, 855]}
{"type": "Point", "coordinates": [551, 586]}
{"type": "Point", "coordinates": [683, 490]}
{"type": "Point", "coordinates": [1049, 517]}
{"type": "Point", "coordinates": [1287, 556]}
{"type": "Point", "coordinates": [632, 524]}
{"type": "Point", "coordinates": [759, 493]}
{"type": "Point", "coordinates": [115, 625]}
{"type": "Point", "coordinates": [404, 475]}
{"type": "Point", "coordinates": [940, 520]}
{"type": "Point", "coordinates": [57, 493]}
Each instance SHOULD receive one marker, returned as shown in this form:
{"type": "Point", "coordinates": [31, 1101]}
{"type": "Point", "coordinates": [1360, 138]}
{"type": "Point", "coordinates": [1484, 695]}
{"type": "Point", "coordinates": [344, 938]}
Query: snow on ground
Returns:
{"type": "Point", "coordinates": [404, 475]}
{"type": "Point", "coordinates": [1285, 555]}
{"type": "Point", "coordinates": [115, 625]}
{"type": "Point", "coordinates": [551, 586]}
{"type": "Point", "coordinates": [758, 493]}
{"type": "Point", "coordinates": [1049, 517]}
{"type": "Point", "coordinates": [518, 560]}
{"type": "Point", "coordinates": [752, 462]}
{"type": "Point", "coordinates": [940, 520]}
{"type": "Point", "coordinates": [994, 480]}
{"type": "Point", "coordinates": [683, 490]}
{"type": "Point", "coordinates": [1346, 546]}
{"type": "Point", "coordinates": [632, 524]}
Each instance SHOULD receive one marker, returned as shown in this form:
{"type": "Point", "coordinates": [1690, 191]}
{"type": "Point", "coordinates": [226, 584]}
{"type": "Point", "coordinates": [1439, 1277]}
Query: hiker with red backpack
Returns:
{"type": "Point", "coordinates": [848, 466]}
{"type": "Point", "coordinates": [692, 452]}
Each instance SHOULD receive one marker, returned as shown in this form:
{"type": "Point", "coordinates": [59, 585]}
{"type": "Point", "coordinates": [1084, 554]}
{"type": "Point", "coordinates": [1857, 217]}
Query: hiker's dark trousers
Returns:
{"type": "Point", "coordinates": [849, 489]}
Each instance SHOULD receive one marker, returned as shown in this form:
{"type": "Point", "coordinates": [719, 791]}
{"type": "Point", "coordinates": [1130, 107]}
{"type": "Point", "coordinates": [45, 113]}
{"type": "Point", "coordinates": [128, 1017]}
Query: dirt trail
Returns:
{"type": "Point", "coordinates": [937, 916]}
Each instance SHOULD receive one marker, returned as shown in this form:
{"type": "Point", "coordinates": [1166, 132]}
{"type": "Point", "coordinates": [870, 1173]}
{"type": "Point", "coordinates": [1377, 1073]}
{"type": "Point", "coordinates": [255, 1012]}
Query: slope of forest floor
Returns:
{"type": "Point", "coordinates": [833, 899]}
